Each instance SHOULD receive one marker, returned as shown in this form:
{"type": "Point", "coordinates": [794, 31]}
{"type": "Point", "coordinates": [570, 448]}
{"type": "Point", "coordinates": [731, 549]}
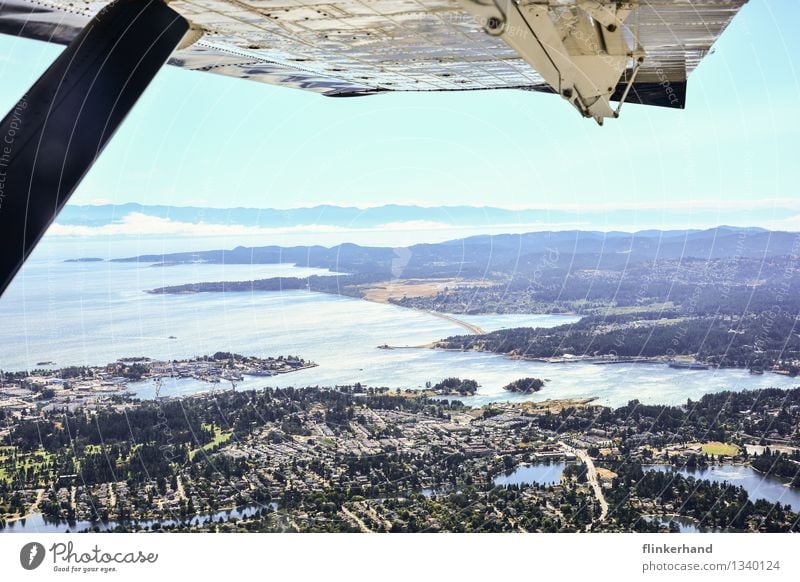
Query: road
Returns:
{"type": "Point", "coordinates": [354, 519]}
{"type": "Point", "coordinates": [473, 329]}
{"type": "Point", "coordinates": [591, 476]}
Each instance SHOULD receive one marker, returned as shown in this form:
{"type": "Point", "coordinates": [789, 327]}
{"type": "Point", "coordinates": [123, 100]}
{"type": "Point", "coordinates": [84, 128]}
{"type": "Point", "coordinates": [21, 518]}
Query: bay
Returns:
{"type": "Point", "coordinates": [92, 313]}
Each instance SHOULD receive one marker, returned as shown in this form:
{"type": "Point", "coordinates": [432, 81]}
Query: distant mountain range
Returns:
{"type": "Point", "coordinates": [460, 216]}
{"type": "Point", "coordinates": [324, 215]}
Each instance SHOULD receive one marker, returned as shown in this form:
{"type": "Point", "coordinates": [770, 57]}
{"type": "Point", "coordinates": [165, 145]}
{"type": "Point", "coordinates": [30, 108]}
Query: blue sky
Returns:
{"type": "Point", "coordinates": [202, 139]}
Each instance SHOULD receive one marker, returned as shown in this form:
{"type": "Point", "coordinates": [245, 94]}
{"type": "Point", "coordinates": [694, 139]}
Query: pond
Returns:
{"type": "Point", "coordinates": [528, 474]}
{"type": "Point", "coordinates": [685, 524]}
{"type": "Point", "coordinates": [757, 485]}
{"type": "Point", "coordinates": [38, 523]}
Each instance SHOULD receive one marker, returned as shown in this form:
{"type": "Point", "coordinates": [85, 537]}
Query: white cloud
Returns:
{"type": "Point", "coordinates": [415, 225]}
{"type": "Point", "coordinates": [138, 224]}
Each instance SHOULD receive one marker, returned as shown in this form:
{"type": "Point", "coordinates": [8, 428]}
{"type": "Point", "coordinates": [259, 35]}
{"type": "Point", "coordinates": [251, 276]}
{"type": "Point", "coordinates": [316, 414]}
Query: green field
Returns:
{"type": "Point", "coordinates": [720, 449]}
{"type": "Point", "coordinates": [219, 438]}
{"type": "Point", "coordinates": [24, 461]}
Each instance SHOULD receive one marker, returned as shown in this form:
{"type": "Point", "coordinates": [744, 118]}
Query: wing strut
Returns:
{"type": "Point", "coordinates": [53, 135]}
{"type": "Point", "coordinates": [581, 48]}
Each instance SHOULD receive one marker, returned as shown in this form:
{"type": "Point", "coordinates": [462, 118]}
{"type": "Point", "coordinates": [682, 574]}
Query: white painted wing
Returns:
{"type": "Point", "coordinates": [359, 47]}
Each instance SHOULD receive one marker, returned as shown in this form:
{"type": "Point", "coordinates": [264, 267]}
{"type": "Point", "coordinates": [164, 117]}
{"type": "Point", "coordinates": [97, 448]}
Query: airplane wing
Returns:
{"type": "Point", "coordinates": [589, 51]}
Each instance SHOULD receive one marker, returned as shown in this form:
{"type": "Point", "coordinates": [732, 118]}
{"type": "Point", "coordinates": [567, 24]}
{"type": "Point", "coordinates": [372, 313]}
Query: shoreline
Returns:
{"type": "Point", "coordinates": [473, 329]}
{"type": "Point", "coordinates": [593, 360]}
{"type": "Point", "coordinates": [117, 521]}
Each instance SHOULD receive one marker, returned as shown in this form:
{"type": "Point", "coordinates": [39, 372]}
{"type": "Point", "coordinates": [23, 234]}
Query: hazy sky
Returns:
{"type": "Point", "coordinates": [198, 138]}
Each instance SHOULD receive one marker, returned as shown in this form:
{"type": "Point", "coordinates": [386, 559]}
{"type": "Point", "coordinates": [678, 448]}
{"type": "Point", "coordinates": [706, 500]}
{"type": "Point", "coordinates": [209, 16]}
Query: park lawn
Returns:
{"type": "Point", "coordinates": [606, 474]}
{"type": "Point", "coordinates": [33, 459]}
{"type": "Point", "coordinates": [720, 449]}
{"type": "Point", "coordinates": [219, 438]}
{"type": "Point", "coordinates": [528, 445]}
{"type": "Point", "coordinates": [5, 453]}
{"type": "Point", "coordinates": [25, 459]}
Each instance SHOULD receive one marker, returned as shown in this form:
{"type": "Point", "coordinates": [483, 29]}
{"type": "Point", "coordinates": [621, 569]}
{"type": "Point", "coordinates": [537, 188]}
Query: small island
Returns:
{"type": "Point", "coordinates": [458, 386]}
{"type": "Point", "coordinates": [525, 385]}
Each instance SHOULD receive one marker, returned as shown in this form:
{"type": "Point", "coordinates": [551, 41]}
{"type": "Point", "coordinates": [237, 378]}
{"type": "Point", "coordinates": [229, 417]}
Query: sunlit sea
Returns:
{"type": "Point", "coordinates": [92, 313]}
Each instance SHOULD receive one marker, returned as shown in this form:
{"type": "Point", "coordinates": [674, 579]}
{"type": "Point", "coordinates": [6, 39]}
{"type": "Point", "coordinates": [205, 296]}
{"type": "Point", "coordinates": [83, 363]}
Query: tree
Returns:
{"type": "Point", "coordinates": [525, 385]}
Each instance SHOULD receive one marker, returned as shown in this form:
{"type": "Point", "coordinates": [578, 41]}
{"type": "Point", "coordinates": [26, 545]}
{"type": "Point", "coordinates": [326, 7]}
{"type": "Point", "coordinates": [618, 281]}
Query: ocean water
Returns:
{"type": "Point", "coordinates": [94, 313]}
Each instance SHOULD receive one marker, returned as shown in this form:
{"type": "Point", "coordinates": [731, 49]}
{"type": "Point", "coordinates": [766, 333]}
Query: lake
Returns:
{"type": "Point", "coordinates": [685, 524]}
{"type": "Point", "coordinates": [38, 523]}
{"type": "Point", "coordinates": [528, 474]}
{"type": "Point", "coordinates": [757, 485]}
{"type": "Point", "coordinates": [96, 312]}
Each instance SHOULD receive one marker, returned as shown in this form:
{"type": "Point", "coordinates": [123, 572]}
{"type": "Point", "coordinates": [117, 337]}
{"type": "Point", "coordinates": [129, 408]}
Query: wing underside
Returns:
{"type": "Point", "coordinates": [360, 47]}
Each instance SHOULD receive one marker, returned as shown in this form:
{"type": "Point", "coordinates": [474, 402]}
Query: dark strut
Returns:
{"type": "Point", "coordinates": [51, 138]}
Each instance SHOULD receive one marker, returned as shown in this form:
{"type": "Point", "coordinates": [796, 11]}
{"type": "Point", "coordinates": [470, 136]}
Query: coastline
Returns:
{"type": "Point", "coordinates": [594, 360]}
{"type": "Point", "coordinates": [473, 329]}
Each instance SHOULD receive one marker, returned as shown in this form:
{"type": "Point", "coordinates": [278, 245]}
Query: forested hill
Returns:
{"type": "Point", "coordinates": [512, 255]}
{"type": "Point", "coordinates": [751, 340]}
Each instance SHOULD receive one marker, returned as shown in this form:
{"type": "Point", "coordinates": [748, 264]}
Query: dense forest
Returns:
{"type": "Point", "coordinates": [753, 341]}
{"type": "Point", "coordinates": [778, 463]}
{"type": "Point", "coordinates": [772, 413]}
